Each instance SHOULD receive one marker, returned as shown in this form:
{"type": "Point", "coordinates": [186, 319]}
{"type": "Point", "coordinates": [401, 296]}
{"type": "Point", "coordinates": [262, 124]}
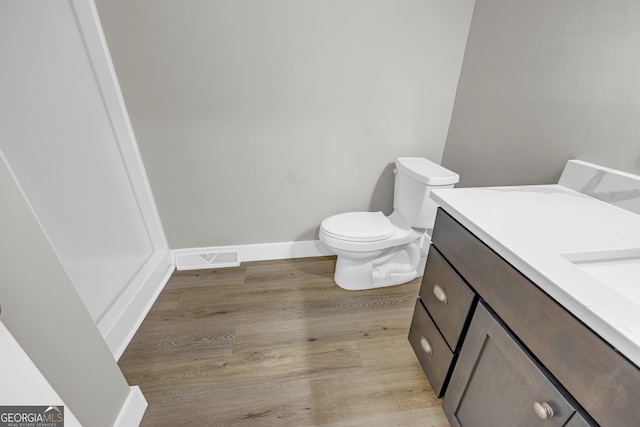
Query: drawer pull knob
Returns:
{"type": "Point", "coordinates": [543, 410]}
{"type": "Point", "coordinates": [439, 293]}
{"type": "Point", "coordinates": [424, 343]}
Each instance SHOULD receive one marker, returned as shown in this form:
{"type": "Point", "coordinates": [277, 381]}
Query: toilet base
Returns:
{"type": "Point", "coordinates": [390, 267]}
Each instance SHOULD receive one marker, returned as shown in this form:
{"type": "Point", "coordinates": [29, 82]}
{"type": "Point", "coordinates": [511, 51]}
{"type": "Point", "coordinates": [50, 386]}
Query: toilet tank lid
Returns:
{"type": "Point", "coordinates": [426, 171]}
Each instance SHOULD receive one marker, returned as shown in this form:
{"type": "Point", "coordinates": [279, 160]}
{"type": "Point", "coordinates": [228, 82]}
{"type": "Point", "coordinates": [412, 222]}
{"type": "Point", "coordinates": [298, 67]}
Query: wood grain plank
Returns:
{"type": "Point", "coordinates": [277, 343]}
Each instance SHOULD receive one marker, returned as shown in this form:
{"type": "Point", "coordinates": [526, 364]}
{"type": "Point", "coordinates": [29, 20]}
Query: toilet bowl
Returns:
{"type": "Point", "coordinates": [374, 250]}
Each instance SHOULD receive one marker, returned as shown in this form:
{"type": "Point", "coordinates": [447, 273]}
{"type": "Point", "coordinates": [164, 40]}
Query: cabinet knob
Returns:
{"type": "Point", "coordinates": [543, 410]}
{"type": "Point", "coordinates": [424, 343]}
{"type": "Point", "coordinates": [439, 293]}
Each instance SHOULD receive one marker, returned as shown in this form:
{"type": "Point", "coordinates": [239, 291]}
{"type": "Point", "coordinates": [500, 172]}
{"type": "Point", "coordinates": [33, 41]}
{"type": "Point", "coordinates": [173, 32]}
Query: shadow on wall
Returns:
{"type": "Point", "coordinates": [382, 195]}
{"type": "Point", "coordinates": [311, 233]}
{"type": "Point", "coordinates": [381, 200]}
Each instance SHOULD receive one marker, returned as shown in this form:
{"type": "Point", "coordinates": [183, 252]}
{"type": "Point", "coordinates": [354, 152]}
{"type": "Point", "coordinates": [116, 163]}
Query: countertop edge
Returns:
{"type": "Point", "coordinates": [622, 343]}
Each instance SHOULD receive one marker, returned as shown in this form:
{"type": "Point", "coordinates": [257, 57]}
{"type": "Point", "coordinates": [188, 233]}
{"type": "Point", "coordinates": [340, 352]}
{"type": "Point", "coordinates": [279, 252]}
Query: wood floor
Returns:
{"type": "Point", "coordinates": [277, 343]}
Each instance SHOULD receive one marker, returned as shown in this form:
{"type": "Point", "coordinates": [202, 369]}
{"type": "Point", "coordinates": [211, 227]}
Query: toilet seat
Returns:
{"type": "Point", "coordinates": [358, 226]}
{"type": "Point", "coordinates": [373, 250]}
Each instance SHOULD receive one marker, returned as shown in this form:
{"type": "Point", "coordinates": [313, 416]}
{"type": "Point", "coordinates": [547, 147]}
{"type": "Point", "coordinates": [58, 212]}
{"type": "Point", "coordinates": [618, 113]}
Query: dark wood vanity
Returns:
{"type": "Point", "coordinates": [501, 352]}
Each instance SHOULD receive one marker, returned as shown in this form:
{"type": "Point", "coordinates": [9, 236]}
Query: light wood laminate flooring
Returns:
{"type": "Point", "coordinates": [278, 343]}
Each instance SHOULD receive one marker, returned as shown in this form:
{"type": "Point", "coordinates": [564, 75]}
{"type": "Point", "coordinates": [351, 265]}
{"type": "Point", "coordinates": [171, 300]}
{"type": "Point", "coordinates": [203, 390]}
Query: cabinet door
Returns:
{"type": "Point", "coordinates": [495, 383]}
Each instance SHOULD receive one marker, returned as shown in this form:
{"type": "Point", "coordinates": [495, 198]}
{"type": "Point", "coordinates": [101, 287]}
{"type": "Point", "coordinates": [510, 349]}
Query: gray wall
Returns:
{"type": "Point", "coordinates": [258, 119]}
{"type": "Point", "coordinates": [543, 82]}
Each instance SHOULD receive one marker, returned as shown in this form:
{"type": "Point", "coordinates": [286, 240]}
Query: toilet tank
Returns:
{"type": "Point", "coordinates": [415, 178]}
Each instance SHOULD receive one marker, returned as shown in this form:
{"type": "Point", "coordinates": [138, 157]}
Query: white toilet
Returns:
{"type": "Point", "coordinates": [374, 250]}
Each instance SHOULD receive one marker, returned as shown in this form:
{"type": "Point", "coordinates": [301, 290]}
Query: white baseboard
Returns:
{"type": "Point", "coordinates": [257, 252]}
{"type": "Point", "coordinates": [132, 410]}
{"type": "Point", "coordinates": [122, 319]}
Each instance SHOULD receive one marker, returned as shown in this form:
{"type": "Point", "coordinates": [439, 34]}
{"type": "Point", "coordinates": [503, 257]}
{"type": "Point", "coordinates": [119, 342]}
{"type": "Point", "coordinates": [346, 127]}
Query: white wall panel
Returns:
{"type": "Point", "coordinates": [67, 138]}
{"type": "Point", "coordinates": [47, 318]}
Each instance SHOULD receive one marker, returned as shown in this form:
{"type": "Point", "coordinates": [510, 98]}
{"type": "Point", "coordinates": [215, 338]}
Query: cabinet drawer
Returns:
{"type": "Point", "coordinates": [430, 348]}
{"type": "Point", "coordinates": [602, 381]}
{"type": "Point", "coordinates": [447, 298]}
{"type": "Point", "coordinates": [497, 384]}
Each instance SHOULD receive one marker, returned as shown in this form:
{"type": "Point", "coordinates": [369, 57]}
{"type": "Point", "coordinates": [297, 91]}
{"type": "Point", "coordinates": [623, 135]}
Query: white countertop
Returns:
{"type": "Point", "coordinates": [532, 226]}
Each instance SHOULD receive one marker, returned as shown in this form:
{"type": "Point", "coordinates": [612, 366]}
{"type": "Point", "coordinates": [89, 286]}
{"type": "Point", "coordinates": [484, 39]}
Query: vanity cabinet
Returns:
{"type": "Point", "coordinates": [496, 383]}
{"type": "Point", "coordinates": [518, 346]}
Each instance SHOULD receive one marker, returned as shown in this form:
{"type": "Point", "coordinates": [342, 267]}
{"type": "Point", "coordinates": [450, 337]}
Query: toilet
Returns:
{"type": "Point", "coordinates": [375, 250]}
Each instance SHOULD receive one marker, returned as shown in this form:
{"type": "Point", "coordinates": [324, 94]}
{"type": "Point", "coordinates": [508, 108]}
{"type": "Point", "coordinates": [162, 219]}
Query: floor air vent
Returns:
{"type": "Point", "coordinates": [202, 260]}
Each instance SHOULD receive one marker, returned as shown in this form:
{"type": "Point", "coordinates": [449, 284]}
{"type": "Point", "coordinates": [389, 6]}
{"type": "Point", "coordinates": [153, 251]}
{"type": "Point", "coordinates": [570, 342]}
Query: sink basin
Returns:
{"type": "Point", "coordinates": [617, 269]}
